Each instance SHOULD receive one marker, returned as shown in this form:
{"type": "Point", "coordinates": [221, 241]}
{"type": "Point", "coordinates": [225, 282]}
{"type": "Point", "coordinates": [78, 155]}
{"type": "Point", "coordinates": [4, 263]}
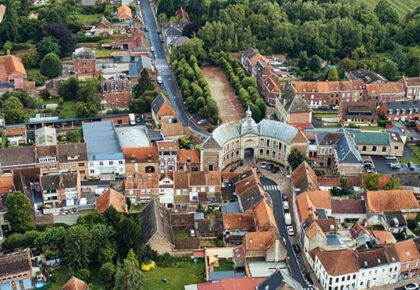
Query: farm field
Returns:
{"type": "Point", "coordinates": [401, 6]}
{"type": "Point", "coordinates": [230, 109]}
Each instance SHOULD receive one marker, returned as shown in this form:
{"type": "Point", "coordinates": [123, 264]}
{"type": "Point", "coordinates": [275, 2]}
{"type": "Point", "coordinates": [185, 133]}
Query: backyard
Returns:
{"type": "Point", "coordinates": [230, 108]}
{"type": "Point", "coordinates": [183, 273]}
{"type": "Point", "coordinates": [63, 274]}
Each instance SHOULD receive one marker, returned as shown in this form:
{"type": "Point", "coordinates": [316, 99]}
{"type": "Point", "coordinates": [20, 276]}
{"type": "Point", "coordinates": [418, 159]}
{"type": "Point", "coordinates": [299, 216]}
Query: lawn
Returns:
{"type": "Point", "coordinates": [63, 274]}
{"type": "Point", "coordinates": [224, 265]}
{"type": "Point", "coordinates": [182, 274]}
{"type": "Point", "coordinates": [104, 52]}
{"type": "Point", "coordinates": [401, 6]}
{"type": "Point", "coordinates": [87, 19]}
{"type": "Point", "coordinates": [325, 115]}
{"type": "Point", "coordinates": [416, 152]}
{"type": "Point", "coordinates": [67, 111]}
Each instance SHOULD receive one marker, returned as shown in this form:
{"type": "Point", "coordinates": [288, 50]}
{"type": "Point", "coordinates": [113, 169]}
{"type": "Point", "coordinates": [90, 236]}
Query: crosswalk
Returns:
{"type": "Point", "coordinates": [162, 67]}
{"type": "Point", "coordinates": [271, 187]}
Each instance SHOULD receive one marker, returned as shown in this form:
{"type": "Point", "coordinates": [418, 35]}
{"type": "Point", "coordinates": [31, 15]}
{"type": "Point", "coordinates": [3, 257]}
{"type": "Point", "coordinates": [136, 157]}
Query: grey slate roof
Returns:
{"type": "Point", "coordinates": [135, 68]}
{"type": "Point", "coordinates": [157, 103]}
{"type": "Point", "coordinates": [72, 152]}
{"type": "Point", "coordinates": [292, 102]}
{"type": "Point", "coordinates": [102, 141]}
{"type": "Point", "coordinates": [367, 76]}
{"type": "Point", "coordinates": [273, 282]}
{"type": "Point", "coordinates": [56, 181]}
{"type": "Point", "coordinates": [408, 104]}
{"type": "Point", "coordinates": [347, 150]}
{"type": "Point", "coordinates": [276, 129]}
{"type": "Point", "coordinates": [155, 218]}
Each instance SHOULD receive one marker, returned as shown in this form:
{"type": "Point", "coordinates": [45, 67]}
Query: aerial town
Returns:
{"type": "Point", "coordinates": [209, 145]}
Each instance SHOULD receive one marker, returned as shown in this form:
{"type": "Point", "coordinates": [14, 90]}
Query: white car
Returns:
{"type": "Point", "coordinates": [263, 165]}
{"type": "Point", "coordinates": [285, 205]}
{"type": "Point", "coordinates": [290, 231]}
{"type": "Point", "coordinates": [159, 79]}
{"type": "Point", "coordinates": [390, 158]}
{"type": "Point", "coordinates": [152, 49]}
{"type": "Point", "coordinates": [411, 286]}
{"type": "Point", "coordinates": [395, 165]}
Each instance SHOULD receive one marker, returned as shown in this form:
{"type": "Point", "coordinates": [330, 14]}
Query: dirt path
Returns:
{"type": "Point", "coordinates": [230, 109]}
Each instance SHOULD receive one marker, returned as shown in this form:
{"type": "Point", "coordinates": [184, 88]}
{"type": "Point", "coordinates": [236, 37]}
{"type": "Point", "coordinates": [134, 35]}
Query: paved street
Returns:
{"type": "Point", "coordinates": [295, 269]}
{"type": "Point", "coordinates": [168, 77]}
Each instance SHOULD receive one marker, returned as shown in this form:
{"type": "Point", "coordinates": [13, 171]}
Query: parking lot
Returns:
{"type": "Point", "coordinates": [382, 166]}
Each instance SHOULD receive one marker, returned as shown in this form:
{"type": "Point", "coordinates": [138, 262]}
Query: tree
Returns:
{"type": "Point", "coordinates": [249, 82]}
{"type": "Point", "coordinates": [128, 235]}
{"type": "Point", "coordinates": [7, 47]}
{"type": "Point", "coordinates": [19, 213]}
{"type": "Point", "coordinates": [199, 103]}
{"type": "Point", "coordinates": [190, 103]}
{"type": "Point", "coordinates": [75, 136]}
{"type": "Point", "coordinates": [184, 142]}
{"type": "Point", "coordinates": [26, 240]}
{"type": "Point", "coordinates": [63, 35]}
{"type": "Point", "coordinates": [107, 273]}
{"type": "Point", "coordinates": [51, 66]}
{"type": "Point", "coordinates": [262, 106]}
{"type": "Point", "coordinates": [333, 74]}
{"type": "Point", "coordinates": [129, 277]}
{"type": "Point", "coordinates": [371, 181]}
{"type": "Point", "coordinates": [77, 247]}
{"type": "Point", "coordinates": [69, 89]}
{"type": "Point", "coordinates": [47, 45]}
{"type": "Point", "coordinates": [102, 248]}
{"type": "Point", "coordinates": [390, 70]}
{"type": "Point", "coordinates": [13, 111]}
{"type": "Point", "coordinates": [303, 60]}
{"type": "Point", "coordinates": [52, 239]}
{"type": "Point", "coordinates": [314, 63]}
{"type": "Point", "coordinates": [112, 217]}
{"type": "Point", "coordinates": [10, 22]}
{"type": "Point", "coordinates": [385, 12]}
{"type": "Point", "coordinates": [393, 183]}
{"type": "Point", "coordinates": [83, 274]}
{"type": "Point", "coordinates": [144, 84]}
{"type": "Point", "coordinates": [295, 158]}
{"type": "Point", "coordinates": [85, 110]}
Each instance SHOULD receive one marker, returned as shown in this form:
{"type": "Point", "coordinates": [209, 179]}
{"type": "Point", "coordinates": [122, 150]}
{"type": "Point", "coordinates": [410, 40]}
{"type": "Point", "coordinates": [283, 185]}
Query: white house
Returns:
{"type": "Point", "coordinates": [45, 136]}
{"type": "Point", "coordinates": [166, 190]}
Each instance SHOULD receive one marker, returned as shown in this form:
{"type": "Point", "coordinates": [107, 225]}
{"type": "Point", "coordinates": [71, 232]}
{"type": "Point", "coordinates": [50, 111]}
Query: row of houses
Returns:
{"type": "Point", "coordinates": [352, 243]}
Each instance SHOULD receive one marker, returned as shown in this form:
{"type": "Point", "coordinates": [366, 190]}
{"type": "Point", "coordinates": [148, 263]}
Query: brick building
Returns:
{"type": "Point", "coordinates": [401, 110]}
{"type": "Point", "coordinates": [116, 93]}
{"type": "Point", "coordinates": [84, 62]}
{"type": "Point", "coordinates": [384, 92]}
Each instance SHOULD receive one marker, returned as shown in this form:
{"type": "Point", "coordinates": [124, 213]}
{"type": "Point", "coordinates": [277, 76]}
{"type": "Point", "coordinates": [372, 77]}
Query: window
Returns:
{"type": "Point", "coordinates": [111, 162]}
{"type": "Point", "coordinates": [92, 171]}
{"type": "Point", "coordinates": [268, 143]}
{"type": "Point", "coordinates": [120, 162]}
{"type": "Point", "coordinates": [101, 163]}
{"type": "Point", "coordinates": [343, 278]}
{"type": "Point", "coordinates": [396, 147]}
{"type": "Point", "coordinates": [373, 148]}
{"type": "Point", "coordinates": [261, 151]}
{"type": "Point", "coordinates": [383, 149]}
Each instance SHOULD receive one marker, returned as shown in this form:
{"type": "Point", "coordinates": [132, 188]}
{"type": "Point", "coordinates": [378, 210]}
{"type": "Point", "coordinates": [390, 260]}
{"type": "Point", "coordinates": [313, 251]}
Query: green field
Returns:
{"type": "Point", "coordinates": [401, 6]}
{"type": "Point", "coordinates": [416, 152]}
{"type": "Point", "coordinates": [182, 274]}
{"type": "Point", "coordinates": [87, 19]}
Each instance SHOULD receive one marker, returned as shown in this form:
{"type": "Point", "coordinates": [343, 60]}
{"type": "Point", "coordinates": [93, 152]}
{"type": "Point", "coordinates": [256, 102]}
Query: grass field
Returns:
{"type": "Point", "coordinates": [182, 274]}
{"type": "Point", "coordinates": [416, 152]}
{"type": "Point", "coordinates": [401, 6]}
{"type": "Point", "coordinates": [104, 52]}
{"type": "Point", "coordinates": [88, 18]}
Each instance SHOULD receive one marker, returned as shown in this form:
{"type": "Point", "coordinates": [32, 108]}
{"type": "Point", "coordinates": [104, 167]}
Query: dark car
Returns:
{"type": "Point", "coordinates": [284, 196]}
{"type": "Point", "coordinates": [296, 248]}
{"type": "Point", "coordinates": [209, 130]}
{"type": "Point", "coordinates": [269, 166]}
{"type": "Point", "coordinates": [411, 165]}
{"type": "Point", "coordinates": [275, 169]}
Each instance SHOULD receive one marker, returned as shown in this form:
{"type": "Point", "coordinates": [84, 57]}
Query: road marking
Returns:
{"type": "Point", "coordinates": [271, 187]}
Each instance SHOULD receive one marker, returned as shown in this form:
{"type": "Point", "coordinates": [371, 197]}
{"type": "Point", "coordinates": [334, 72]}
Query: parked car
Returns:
{"type": "Point", "coordinates": [152, 49]}
{"type": "Point", "coordinates": [290, 231]}
{"type": "Point", "coordinates": [284, 196]}
{"type": "Point", "coordinates": [209, 130]}
{"type": "Point", "coordinates": [275, 169]}
{"type": "Point", "coordinates": [263, 165]}
{"type": "Point", "coordinates": [202, 122]}
{"type": "Point", "coordinates": [159, 79]}
{"type": "Point", "coordinates": [285, 205]}
{"type": "Point", "coordinates": [411, 286]}
{"type": "Point", "coordinates": [296, 248]}
{"type": "Point", "coordinates": [269, 166]}
{"type": "Point", "coordinates": [395, 165]}
{"type": "Point", "coordinates": [411, 165]}
{"type": "Point", "coordinates": [390, 158]}
{"type": "Point", "coordinates": [367, 161]}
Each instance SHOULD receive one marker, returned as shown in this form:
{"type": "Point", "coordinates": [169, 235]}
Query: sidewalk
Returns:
{"type": "Point", "coordinates": [399, 285]}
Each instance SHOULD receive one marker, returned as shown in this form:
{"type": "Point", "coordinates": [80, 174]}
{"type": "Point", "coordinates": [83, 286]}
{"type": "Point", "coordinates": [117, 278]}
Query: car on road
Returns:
{"type": "Point", "coordinates": [368, 165]}
{"type": "Point", "coordinates": [284, 196]}
{"type": "Point", "coordinates": [152, 49]}
{"type": "Point", "coordinates": [145, 29]}
{"type": "Point", "coordinates": [411, 286]}
{"type": "Point", "coordinates": [161, 38]}
{"type": "Point", "coordinates": [159, 79]}
{"type": "Point", "coordinates": [296, 248]}
{"type": "Point", "coordinates": [202, 122]}
{"type": "Point", "coordinates": [390, 158]}
{"type": "Point", "coordinates": [263, 165]}
{"type": "Point", "coordinates": [285, 205]}
{"type": "Point", "coordinates": [411, 165]}
{"type": "Point", "coordinates": [290, 231]}
{"type": "Point", "coordinates": [269, 166]}
{"type": "Point", "coordinates": [275, 169]}
{"type": "Point", "coordinates": [288, 219]}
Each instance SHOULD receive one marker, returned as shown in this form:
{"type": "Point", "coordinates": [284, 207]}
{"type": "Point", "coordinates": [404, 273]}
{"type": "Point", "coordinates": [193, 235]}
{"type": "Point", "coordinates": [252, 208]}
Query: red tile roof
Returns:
{"type": "Point", "coordinates": [110, 198]}
{"type": "Point", "coordinates": [6, 184]}
{"type": "Point", "coordinates": [407, 251]}
{"type": "Point", "coordinates": [11, 67]}
{"type": "Point", "coordinates": [124, 12]}
{"type": "Point", "coordinates": [172, 129]}
{"type": "Point", "coordinates": [75, 284]}
{"type": "Point", "coordinates": [238, 221]}
{"type": "Point", "coordinates": [390, 200]}
{"type": "Point", "coordinates": [337, 262]}
{"type": "Point", "coordinates": [386, 88]}
{"type": "Point", "coordinates": [141, 154]}
{"type": "Point", "coordinates": [9, 132]}
{"type": "Point", "coordinates": [259, 240]}
{"type": "Point", "coordinates": [264, 216]}
{"type": "Point", "coordinates": [188, 156]}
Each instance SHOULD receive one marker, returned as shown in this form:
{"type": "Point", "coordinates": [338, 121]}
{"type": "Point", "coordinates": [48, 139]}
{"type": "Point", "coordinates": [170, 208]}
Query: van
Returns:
{"type": "Point", "coordinates": [159, 79]}
{"type": "Point", "coordinates": [287, 219]}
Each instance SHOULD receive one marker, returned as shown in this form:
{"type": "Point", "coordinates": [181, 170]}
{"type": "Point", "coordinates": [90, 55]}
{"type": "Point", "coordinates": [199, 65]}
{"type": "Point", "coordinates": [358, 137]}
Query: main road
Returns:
{"type": "Point", "coordinates": [165, 71]}
{"type": "Point", "coordinates": [272, 188]}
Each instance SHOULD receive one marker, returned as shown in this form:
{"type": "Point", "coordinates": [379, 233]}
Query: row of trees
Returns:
{"type": "Point", "coordinates": [245, 86]}
{"type": "Point", "coordinates": [195, 88]}
{"type": "Point", "coordinates": [332, 29]}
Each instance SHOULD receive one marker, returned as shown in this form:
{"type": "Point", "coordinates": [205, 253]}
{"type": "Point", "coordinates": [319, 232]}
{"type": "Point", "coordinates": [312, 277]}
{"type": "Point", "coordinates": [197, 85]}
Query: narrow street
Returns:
{"type": "Point", "coordinates": [273, 189]}
{"type": "Point", "coordinates": [165, 71]}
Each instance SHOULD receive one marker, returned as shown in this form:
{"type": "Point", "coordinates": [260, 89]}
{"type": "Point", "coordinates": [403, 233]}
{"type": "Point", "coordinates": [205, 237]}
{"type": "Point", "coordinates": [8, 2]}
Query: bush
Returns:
{"type": "Point", "coordinates": [83, 274]}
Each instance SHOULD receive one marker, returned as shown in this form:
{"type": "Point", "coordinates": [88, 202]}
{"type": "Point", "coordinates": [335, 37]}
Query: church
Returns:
{"type": "Point", "coordinates": [268, 140]}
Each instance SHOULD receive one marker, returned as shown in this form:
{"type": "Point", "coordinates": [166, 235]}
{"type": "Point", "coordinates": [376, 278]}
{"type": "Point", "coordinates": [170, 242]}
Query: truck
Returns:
{"type": "Point", "coordinates": [288, 219]}
{"type": "Point", "coordinates": [132, 118]}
